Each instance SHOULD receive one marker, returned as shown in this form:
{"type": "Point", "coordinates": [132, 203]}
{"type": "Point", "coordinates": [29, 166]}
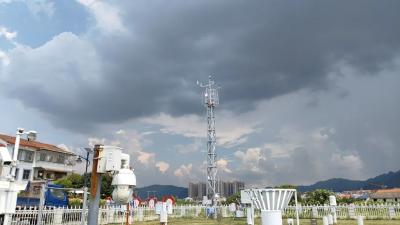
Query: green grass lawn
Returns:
{"type": "Point", "coordinates": [225, 221]}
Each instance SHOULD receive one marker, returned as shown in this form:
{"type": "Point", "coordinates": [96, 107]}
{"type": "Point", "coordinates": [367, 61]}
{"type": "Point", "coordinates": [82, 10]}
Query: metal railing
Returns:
{"type": "Point", "coordinates": [383, 211]}
{"type": "Point", "coordinates": [119, 214]}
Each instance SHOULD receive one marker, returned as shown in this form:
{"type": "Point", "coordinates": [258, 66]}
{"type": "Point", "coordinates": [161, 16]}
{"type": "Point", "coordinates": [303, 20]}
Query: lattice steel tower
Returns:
{"type": "Point", "coordinates": [211, 100]}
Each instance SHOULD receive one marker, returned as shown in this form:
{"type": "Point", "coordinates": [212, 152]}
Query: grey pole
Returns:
{"type": "Point", "coordinates": [93, 214]}
{"type": "Point", "coordinates": [297, 208]}
{"type": "Point", "coordinates": [41, 204]}
{"type": "Point", "coordinates": [84, 206]}
{"type": "Point", "coordinates": [85, 189]}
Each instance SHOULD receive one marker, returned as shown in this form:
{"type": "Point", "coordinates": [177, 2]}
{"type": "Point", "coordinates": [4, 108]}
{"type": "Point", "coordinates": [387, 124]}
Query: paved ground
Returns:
{"type": "Point", "coordinates": [243, 222]}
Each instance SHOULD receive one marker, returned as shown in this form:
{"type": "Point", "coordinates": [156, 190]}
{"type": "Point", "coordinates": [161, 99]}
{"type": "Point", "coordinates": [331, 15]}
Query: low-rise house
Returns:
{"type": "Point", "coordinates": [386, 195]}
{"type": "Point", "coordinates": [40, 161]}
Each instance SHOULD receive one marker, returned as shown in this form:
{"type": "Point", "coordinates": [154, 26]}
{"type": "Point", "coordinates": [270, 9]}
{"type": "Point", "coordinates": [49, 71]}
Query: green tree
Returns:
{"type": "Point", "coordinates": [72, 180]}
{"type": "Point", "coordinates": [290, 186]}
{"type": "Point", "coordinates": [233, 199]}
{"type": "Point", "coordinates": [106, 188]}
{"type": "Point", "coordinates": [287, 186]}
{"type": "Point", "coordinates": [75, 180]}
{"type": "Point", "coordinates": [318, 197]}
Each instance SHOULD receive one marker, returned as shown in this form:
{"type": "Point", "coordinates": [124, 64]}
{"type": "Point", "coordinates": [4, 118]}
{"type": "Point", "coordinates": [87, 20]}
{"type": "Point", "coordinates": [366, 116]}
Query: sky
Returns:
{"type": "Point", "coordinates": [308, 89]}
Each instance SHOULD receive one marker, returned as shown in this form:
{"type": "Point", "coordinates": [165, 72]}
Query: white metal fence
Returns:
{"type": "Point", "coordinates": [391, 211]}
{"type": "Point", "coordinates": [119, 215]}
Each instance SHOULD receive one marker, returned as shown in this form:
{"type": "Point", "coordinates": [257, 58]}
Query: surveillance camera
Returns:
{"type": "Point", "coordinates": [124, 182]}
{"type": "Point", "coordinates": [20, 130]}
{"type": "Point", "coordinates": [122, 194]}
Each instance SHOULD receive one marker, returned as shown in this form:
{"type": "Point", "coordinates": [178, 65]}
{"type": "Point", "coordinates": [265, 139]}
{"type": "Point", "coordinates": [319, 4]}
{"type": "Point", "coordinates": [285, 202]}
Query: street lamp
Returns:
{"type": "Point", "coordinates": [79, 160]}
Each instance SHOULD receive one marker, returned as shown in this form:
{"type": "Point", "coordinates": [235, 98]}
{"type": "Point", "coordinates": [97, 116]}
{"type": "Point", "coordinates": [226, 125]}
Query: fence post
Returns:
{"type": "Point", "coordinates": [83, 215]}
{"type": "Point", "coordinates": [58, 215]}
{"type": "Point", "coordinates": [351, 209]}
{"type": "Point", "coordinates": [198, 211]}
{"type": "Point", "coordinates": [314, 212]}
{"type": "Point", "coordinates": [330, 219]}
{"type": "Point", "coordinates": [392, 213]}
{"type": "Point", "coordinates": [183, 211]}
{"type": "Point", "coordinates": [164, 214]}
{"type": "Point", "coordinates": [224, 211]}
{"type": "Point", "coordinates": [250, 215]}
{"type": "Point", "coordinates": [325, 220]}
{"type": "Point", "coordinates": [140, 214]}
{"type": "Point", "coordinates": [41, 204]}
{"type": "Point", "coordinates": [360, 220]}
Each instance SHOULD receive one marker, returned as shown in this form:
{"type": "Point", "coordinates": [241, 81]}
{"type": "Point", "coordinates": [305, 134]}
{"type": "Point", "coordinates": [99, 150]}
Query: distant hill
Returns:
{"type": "Point", "coordinates": [389, 180]}
{"type": "Point", "coordinates": [161, 190]}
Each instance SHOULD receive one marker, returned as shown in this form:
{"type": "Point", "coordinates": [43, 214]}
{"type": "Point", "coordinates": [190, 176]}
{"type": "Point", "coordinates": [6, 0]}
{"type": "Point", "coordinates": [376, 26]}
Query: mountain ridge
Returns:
{"type": "Point", "coordinates": [160, 190]}
{"type": "Point", "coordinates": [387, 180]}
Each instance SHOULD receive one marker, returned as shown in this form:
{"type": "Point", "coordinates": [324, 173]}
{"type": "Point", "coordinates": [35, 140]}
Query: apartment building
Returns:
{"type": "Point", "coordinates": [225, 189]}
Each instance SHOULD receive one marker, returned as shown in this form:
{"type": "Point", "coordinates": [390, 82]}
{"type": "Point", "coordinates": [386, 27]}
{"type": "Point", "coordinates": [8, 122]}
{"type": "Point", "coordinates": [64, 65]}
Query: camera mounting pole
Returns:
{"type": "Point", "coordinates": [110, 159]}
{"type": "Point", "coordinates": [95, 185]}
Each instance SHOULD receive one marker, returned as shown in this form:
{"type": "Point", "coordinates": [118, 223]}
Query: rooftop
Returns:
{"type": "Point", "coordinates": [34, 144]}
{"type": "Point", "coordinates": [386, 193]}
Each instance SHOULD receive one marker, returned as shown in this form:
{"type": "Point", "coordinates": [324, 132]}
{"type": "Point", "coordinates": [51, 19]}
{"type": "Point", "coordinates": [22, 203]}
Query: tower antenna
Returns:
{"type": "Point", "coordinates": [210, 101]}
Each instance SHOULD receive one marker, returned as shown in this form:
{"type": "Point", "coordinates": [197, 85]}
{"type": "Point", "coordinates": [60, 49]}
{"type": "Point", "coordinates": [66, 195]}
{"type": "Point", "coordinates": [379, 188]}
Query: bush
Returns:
{"type": "Point", "coordinates": [75, 202]}
{"type": "Point", "coordinates": [318, 197]}
{"type": "Point", "coordinates": [103, 202]}
{"type": "Point", "coordinates": [72, 180]}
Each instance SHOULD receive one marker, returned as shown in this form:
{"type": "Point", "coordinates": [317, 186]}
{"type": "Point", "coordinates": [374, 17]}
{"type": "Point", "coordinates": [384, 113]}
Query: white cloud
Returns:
{"type": "Point", "coordinates": [65, 147]}
{"type": "Point", "coordinates": [9, 35]}
{"type": "Point", "coordinates": [162, 166]}
{"type": "Point", "coordinates": [178, 125]}
{"type": "Point", "coordinates": [230, 130]}
{"type": "Point", "coordinates": [4, 58]}
{"type": "Point", "coordinates": [222, 165]}
{"type": "Point", "coordinates": [37, 7]}
{"type": "Point", "coordinates": [145, 157]}
{"type": "Point", "coordinates": [190, 148]}
{"type": "Point", "coordinates": [107, 15]}
{"type": "Point", "coordinates": [94, 140]}
{"type": "Point", "coordinates": [250, 159]}
{"type": "Point", "coordinates": [120, 132]}
{"type": "Point", "coordinates": [184, 170]}
{"type": "Point", "coordinates": [350, 162]}
{"type": "Point", "coordinates": [131, 141]}
{"type": "Point", "coordinates": [63, 75]}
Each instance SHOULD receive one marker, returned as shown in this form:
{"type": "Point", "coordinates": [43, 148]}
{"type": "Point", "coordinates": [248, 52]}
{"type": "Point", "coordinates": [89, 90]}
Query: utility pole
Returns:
{"type": "Point", "coordinates": [93, 214]}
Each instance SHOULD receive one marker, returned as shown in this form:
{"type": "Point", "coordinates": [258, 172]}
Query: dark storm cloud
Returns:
{"type": "Point", "coordinates": [255, 49]}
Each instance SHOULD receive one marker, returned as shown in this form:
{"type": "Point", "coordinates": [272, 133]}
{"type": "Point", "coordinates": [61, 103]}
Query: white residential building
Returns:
{"type": "Point", "coordinates": [38, 162]}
